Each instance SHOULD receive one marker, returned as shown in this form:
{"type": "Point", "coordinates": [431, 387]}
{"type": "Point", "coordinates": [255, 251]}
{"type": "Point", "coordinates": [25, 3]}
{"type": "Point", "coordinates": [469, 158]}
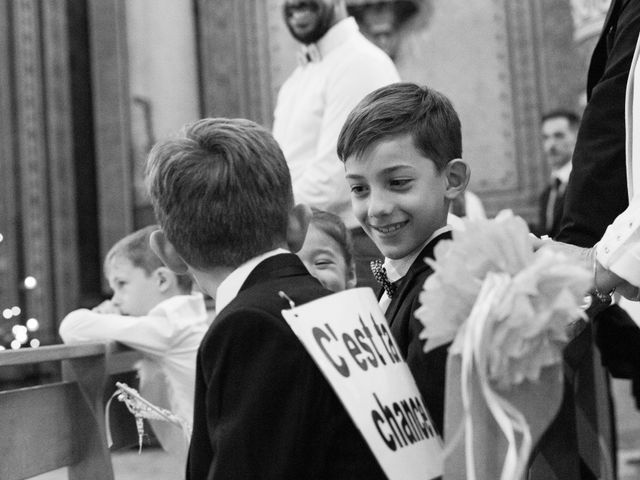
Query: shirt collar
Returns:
{"type": "Point", "coordinates": [562, 173]}
{"type": "Point", "coordinates": [335, 36]}
{"type": "Point", "coordinates": [398, 268]}
{"type": "Point", "coordinates": [230, 286]}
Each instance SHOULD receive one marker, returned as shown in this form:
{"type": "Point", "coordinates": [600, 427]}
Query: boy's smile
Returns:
{"type": "Point", "coordinates": [398, 195]}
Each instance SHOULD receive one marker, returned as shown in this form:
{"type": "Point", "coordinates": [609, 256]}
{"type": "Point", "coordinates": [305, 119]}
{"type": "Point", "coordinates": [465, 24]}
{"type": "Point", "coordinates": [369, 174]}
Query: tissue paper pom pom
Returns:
{"type": "Point", "coordinates": [525, 328]}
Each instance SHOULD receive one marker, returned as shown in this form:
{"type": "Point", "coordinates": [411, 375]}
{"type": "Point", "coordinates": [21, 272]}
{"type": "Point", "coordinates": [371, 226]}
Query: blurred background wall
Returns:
{"type": "Point", "coordinates": [88, 85]}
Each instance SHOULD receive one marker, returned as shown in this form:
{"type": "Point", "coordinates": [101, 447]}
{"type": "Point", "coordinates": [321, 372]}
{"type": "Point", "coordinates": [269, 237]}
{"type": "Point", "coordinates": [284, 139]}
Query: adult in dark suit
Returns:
{"type": "Point", "coordinates": [263, 410]}
{"type": "Point", "coordinates": [596, 195]}
{"type": "Point", "coordinates": [559, 129]}
{"type": "Point", "coordinates": [597, 189]}
{"type": "Point", "coordinates": [429, 370]}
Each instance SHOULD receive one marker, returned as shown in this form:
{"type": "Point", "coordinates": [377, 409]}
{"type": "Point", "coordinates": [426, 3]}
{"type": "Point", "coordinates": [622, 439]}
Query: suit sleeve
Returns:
{"type": "Point", "coordinates": [597, 188]}
{"type": "Point", "coordinates": [619, 249]}
{"type": "Point", "coordinates": [148, 334]}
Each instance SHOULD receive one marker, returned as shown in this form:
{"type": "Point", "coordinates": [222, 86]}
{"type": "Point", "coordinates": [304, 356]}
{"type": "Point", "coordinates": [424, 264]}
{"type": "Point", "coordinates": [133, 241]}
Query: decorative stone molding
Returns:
{"type": "Point", "coordinates": [235, 58]}
{"type": "Point", "coordinates": [60, 156]}
{"type": "Point", "coordinates": [34, 208]}
{"type": "Point", "coordinates": [9, 245]}
{"type": "Point", "coordinates": [108, 40]}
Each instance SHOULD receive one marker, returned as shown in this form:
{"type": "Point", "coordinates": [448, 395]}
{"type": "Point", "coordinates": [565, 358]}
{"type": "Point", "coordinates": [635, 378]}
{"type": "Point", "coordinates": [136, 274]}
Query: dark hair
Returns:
{"type": "Point", "coordinates": [333, 226]}
{"type": "Point", "coordinates": [221, 191]}
{"type": "Point", "coordinates": [135, 248]}
{"type": "Point", "coordinates": [572, 117]}
{"type": "Point", "coordinates": [399, 109]}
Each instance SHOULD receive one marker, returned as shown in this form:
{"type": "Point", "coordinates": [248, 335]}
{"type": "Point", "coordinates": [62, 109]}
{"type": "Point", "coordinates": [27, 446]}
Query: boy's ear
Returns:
{"type": "Point", "coordinates": [457, 175]}
{"type": "Point", "coordinates": [166, 278]}
{"type": "Point", "coordinates": [299, 218]}
{"type": "Point", "coordinates": [164, 249]}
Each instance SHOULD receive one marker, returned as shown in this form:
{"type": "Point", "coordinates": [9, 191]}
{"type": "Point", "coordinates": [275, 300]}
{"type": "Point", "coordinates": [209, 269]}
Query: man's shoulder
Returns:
{"type": "Point", "coordinates": [364, 53]}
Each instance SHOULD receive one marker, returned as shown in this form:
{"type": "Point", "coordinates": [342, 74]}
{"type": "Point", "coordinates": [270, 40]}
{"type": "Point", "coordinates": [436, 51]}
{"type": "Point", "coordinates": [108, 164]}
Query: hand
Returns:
{"type": "Point", "coordinates": [106, 307]}
{"type": "Point", "coordinates": [579, 255]}
{"type": "Point", "coordinates": [608, 281]}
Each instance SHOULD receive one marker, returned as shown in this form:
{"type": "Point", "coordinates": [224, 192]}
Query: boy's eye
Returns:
{"type": "Point", "coordinates": [399, 182]}
{"type": "Point", "coordinates": [358, 189]}
{"type": "Point", "coordinates": [323, 263]}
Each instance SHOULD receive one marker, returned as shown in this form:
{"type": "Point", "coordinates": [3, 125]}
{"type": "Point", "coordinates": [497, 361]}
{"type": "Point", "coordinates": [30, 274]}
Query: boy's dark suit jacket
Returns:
{"type": "Point", "coordinates": [263, 410]}
{"type": "Point", "coordinates": [428, 369]}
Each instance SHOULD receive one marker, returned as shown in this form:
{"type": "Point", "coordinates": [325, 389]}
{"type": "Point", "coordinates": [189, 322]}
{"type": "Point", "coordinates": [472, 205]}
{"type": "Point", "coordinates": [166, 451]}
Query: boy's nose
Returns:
{"type": "Point", "coordinates": [115, 299]}
{"type": "Point", "coordinates": [379, 204]}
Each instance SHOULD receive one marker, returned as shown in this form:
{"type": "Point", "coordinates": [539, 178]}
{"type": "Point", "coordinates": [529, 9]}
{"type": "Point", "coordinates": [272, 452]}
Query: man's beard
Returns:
{"type": "Point", "coordinates": [322, 26]}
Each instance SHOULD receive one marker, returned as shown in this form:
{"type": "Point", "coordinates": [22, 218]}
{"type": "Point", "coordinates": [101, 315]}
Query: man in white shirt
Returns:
{"type": "Point", "coordinates": [559, 132]}
{"type": "Point", "coordinates": [338, 67]}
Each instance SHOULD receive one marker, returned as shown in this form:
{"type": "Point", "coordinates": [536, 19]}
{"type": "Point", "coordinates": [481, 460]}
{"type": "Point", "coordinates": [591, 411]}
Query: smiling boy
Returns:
{"type": "Point", "coordinates": [402, 147]}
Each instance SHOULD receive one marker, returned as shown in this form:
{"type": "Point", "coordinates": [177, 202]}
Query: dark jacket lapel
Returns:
{"type": "Point", "coordinates": [419, 266]}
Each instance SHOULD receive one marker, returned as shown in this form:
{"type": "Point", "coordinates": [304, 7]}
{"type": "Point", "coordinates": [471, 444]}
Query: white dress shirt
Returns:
{"type": "Point", "coordinates": [312, 106]}
{"type": "Point", "coordinates": [619, 248]}
{"type": "Point", "coordinates": [169, 337]}
{"type": "Point", "coordinates": [230, 286]}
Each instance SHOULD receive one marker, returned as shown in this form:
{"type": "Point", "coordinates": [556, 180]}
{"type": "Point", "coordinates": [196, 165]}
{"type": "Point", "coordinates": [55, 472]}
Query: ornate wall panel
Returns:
{"type": "Point", "coordinates": [36, 240]}
{"type": "Point", "coordinates": [9, 244]}
{"type": "Point", "coordinates": [111, 119]}
{"type": "Point", "coordinates": [498, 60]}
{"type": "Point", "coordinates": [37, 214]}
{"type": "Point", "coordinates": [483, 54]}
{"type": "Point", "coordinates": [60, 153]}
{"type": "Point", "coordinates": [234, 44]}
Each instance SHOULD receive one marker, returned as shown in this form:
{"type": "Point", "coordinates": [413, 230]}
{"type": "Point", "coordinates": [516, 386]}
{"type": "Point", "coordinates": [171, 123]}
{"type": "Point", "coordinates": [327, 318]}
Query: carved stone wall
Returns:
{"type": "Point", "coordinates": [37, 219]}
{"type": "Point", "coordinates": [9, 219]}
{"type": "Point", "coordinates": [501, 62]}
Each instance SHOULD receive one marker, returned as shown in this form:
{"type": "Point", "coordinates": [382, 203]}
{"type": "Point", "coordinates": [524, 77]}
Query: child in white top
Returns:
{"type": "Point", "coordinates": [152, 310]}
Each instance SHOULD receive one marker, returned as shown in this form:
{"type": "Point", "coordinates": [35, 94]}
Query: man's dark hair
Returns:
{"type": "Point", "coordinates": [400, 109]}
{"type": "Point", "coordinates": [572, 117]}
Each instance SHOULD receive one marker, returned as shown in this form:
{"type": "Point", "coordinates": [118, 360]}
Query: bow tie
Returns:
{"type": "Point", "coordinates": [380, 274]}
{"type": "Point", "coordinates": [309, 54]}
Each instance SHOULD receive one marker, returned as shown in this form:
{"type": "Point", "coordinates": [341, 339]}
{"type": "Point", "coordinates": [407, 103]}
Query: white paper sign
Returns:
{"type": "Point", "coordinates": [349, 339]}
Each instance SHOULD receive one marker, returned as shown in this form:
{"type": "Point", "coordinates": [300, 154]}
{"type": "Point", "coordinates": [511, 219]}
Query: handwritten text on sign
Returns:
{"type": "Point", "coordinates": [349, 339]}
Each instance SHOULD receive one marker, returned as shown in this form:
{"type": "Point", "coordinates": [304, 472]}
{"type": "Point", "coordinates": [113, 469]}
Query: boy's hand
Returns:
{"type": "Point", "coordinates": [106, 307]}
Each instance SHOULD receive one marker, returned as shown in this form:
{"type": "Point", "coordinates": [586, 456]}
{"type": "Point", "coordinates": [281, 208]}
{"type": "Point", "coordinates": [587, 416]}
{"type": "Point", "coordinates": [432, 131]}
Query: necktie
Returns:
{"type": "Point", "coordinates": [551, 204]}
{"type": "Point", "coordinates": [380, 274]}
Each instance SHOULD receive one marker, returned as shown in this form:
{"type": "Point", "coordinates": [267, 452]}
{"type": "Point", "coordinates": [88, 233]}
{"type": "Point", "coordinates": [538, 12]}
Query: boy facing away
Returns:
{"type": "Point", "coordinates": [402, 147]}
{"type": "Point", "coordinates": [222, 193]}
{"type": "Point", "coordinates": [152, 310]}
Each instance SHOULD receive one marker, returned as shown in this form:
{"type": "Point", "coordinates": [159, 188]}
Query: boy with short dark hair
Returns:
{"type": "Point", "coordinates": [402, 148]}
{"type": "Point", "coordinates": [222, 194]}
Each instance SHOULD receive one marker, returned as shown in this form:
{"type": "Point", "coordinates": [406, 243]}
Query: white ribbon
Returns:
{"type": "Point", "coordinates": [509, 419]}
